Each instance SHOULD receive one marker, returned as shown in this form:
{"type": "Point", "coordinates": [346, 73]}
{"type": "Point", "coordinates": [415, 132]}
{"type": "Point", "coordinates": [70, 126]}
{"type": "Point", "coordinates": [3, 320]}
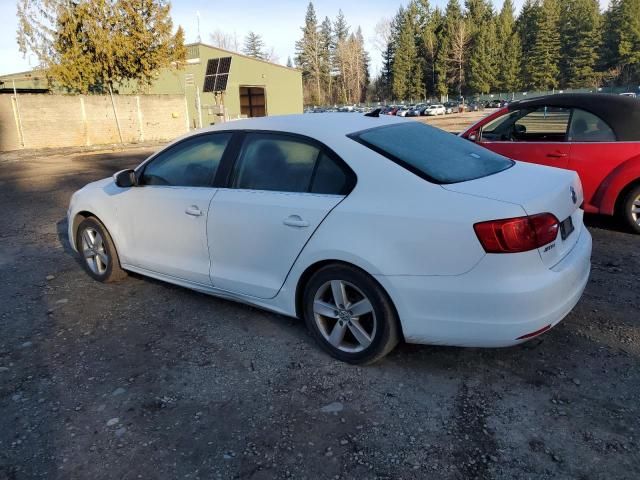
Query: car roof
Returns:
{"type": "Point", "coordinates": [621, 113]}
{"type": "Point", "coordinates": [325, 127]}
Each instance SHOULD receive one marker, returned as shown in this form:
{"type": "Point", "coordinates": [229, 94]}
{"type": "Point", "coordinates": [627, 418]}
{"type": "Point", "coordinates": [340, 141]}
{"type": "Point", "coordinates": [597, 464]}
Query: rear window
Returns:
{"type": "Point", "coordinates": [432, 154]}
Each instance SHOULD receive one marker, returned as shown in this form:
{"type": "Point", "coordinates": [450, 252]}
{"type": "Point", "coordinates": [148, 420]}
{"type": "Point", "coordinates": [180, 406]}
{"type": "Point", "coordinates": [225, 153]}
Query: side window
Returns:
{"type": "Point", "coordinates": [544, 124]}
{"type": "Point", "coordinates": [330, 177]}
{"type": "Point", "coordinates": [192, 163]}
{"type": "Point", "coordinates": [276, 163]}
{"type": "Point", "coordinates": [586, 127]}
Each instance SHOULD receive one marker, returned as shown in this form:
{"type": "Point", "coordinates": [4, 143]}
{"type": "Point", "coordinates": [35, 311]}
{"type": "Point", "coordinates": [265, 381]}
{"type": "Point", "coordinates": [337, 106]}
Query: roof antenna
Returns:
{"type": "Point", "coordinates": [374, 114]}
{"type": "Point", "coordinates": [199, 38]}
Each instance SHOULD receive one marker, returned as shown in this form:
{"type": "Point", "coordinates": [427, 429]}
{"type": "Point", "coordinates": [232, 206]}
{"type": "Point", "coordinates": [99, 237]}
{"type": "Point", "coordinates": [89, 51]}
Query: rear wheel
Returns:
{"type": "Point", "coordinates": [97, 251]}
{"type": "Point", "coordinates": [631, 209]}
{"type": "Point", "coordinates": [350, 315]}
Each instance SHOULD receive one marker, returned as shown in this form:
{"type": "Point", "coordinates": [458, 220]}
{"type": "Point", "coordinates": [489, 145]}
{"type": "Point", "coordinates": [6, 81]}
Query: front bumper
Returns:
{"type": "Point", "coordinates": [504, 298]}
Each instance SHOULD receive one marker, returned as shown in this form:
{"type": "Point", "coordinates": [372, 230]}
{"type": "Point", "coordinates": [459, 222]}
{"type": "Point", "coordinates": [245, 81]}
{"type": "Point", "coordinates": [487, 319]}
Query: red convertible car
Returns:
{"type": "Point", "coordinates": [597, 135]}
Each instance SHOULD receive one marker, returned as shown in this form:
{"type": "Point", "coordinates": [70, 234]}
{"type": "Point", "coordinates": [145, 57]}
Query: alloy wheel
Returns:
{"type": "Point", "coordinates": [635, 210]}
{"type": "Point", "coordinates": [94, 252]}
{"type": "Point", "coordinates": [345, 316]}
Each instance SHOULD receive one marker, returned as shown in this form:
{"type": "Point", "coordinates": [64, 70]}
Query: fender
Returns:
{"type": "Point", "coordinates": [95, 203]}
{"type": "Point", "coordinates": [609, 190]}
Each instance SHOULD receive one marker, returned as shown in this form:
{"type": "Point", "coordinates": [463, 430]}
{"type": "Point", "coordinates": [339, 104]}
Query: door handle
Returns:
{"type": "Point", "coordinates": [557, 155]}
{"type": "Point", "coordinates": [194, 211]}
{"type": "Point", "coordinates": [295, 221]}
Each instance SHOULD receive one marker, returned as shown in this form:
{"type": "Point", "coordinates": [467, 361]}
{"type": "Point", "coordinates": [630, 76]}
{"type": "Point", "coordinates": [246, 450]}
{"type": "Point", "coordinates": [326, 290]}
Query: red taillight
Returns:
{"type": "Point", "coordinates": [521, 234]}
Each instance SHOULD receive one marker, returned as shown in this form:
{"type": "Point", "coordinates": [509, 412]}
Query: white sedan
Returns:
{"type": "Point", "coordinates": [372, 229]}
{"type": "Point", "coordinates": [433, 110]}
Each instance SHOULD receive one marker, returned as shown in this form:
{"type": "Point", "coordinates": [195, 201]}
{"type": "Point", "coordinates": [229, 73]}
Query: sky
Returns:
{"type": "Point", "coordinates": [278, 21]}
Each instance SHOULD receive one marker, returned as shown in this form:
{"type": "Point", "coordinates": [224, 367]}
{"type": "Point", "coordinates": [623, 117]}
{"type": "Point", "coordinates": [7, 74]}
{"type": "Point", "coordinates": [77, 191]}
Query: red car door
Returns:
{"type": "Point", "coordinates": [536, 135]}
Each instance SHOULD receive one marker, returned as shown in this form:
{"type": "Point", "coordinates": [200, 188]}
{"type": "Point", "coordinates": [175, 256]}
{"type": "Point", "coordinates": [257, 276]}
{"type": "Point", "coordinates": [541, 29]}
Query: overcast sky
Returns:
{"type": "Point", "coordinates": [278, 21]}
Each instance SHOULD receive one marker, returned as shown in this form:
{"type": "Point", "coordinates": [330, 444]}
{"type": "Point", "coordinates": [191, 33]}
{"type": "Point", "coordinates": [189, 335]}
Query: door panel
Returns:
{"type": "Point", "coordinates": [167, 226]}
{"type": "Point", "coordinates": [255, 236]}
{"type": "Point", "coordinates": [531, 135]}
{"type": "Point", "coordinates": [551, 154]}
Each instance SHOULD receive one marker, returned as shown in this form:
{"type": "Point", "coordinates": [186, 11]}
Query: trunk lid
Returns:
{"type": "Point", "coordinates": [536, 189]}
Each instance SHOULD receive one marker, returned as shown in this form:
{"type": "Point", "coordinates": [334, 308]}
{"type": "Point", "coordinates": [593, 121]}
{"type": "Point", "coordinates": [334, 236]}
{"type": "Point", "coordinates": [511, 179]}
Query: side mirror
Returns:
{"type": "Point", "coordinates": [125, 178]}
{"type": "Point", "coordinates": [473, 136]}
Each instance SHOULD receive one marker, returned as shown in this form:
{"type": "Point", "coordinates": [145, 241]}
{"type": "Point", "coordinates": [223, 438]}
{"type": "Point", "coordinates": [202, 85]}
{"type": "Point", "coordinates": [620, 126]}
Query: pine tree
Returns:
{"type": "Point", "coordinates": [309, 57]}
{"type": "Point", "coordinates": [612, 22]}
{"type": "Point", "coordinates": [326, 38]}
{"type": "Point", "coordinates": [580, 39]}
{"type": "Point", "coordinates": [404, 59]}
{"type": "Point", "coordinates": [629, 49]}
{"type": "Point", "coordinates": [456, 39]}
{"type": "Point", "coordinates": [482, 67]}
{"type": "Point", "coordinates": [543, 66]}
{"type": "Point", "coordinates": [483, 47]}
{"type": "Point", "coordinates": [339, 37]}
{"type": "Point", "coordinates": [509, 50]}
{"type": "Point", "coordinates": [526, 26]}
{"type": "Point", "coordinates": [289, 62]}
{"type": "Point", "coordinates": [254, 46]}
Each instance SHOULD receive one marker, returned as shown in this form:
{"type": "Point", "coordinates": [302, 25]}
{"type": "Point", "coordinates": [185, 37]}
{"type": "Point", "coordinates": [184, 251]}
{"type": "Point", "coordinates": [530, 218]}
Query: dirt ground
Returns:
{"type": "Point", "coordinates": [146, 380]}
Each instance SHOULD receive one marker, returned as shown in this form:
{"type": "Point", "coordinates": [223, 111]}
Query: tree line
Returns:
{"type": "Point", "coordinates": [333, 60]}
{"type": "Point", "coordinates": [470, 48]}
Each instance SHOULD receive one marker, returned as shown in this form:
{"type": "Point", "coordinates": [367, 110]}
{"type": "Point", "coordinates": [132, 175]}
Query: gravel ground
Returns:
{"type": "Point", "coordinates": [146, 380]}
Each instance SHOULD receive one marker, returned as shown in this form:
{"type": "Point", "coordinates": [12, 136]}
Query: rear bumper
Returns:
{"type": "Point", "coordinates": [496, 303]}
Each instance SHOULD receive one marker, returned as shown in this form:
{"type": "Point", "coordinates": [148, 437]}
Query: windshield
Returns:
{"type": "Point", "coordinates": [433, 154]}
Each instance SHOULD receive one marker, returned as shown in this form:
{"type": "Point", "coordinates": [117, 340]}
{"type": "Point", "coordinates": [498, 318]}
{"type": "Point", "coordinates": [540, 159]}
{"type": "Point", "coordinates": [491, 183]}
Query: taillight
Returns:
{"type": "Point", "coordinates": [521, 234]}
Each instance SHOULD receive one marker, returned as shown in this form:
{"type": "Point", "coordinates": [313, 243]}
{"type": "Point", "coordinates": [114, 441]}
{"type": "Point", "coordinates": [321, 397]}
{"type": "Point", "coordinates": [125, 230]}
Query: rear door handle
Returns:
{"type": "Point", "coordinates": [295, 221]}
{"type": "Point", "coordinates": [194, 211]}
{"type": "Point", "coordinates": [557, 155]}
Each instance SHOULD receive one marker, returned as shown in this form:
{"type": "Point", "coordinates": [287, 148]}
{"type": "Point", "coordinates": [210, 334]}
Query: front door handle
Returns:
{"type": "Point", "coordinates": [557, 155]}
{"type": "Point", "coordinates": [295, 221]}
{"type": "Point", "coordinates": [194, 211]}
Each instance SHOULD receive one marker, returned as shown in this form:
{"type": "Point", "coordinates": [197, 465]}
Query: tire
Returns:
{"type": "Point", "coordinates": [97, 252]}
{"type": "Point", "coordinates": [360, 331]}
{"type": "Point", "coordinates": [630, 211]}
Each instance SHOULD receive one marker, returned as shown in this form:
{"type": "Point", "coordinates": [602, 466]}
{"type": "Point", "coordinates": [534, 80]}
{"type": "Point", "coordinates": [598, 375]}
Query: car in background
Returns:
{"type": "Point", "coordinates": [402, 111]}
{"type": "Point", "coordinates": [465, 248]}
{"type": "Point", "coordinates": [629, 94]}
{"type": "Point", "coordinates": [435, 109]}
{"type": "Point", "coordinates": [474, 106]}
{"type": "Point", "coordinates": [451, 107]}
{"type": "Point", "coordinates": [496, 104]}
{"type": "Point", "coordinates": [416, 110]}
{"type": "Point", "coordinates": [596, 135]}
{"type": "Point", "coordinates": [391, 110]}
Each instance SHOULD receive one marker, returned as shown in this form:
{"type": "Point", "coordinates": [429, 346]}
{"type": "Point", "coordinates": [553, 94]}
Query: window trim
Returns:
{"type": "Point", "coordinates": [140, 169]}
{"type": "Point", "coordinates": [227, 166]}
{"type": "Point", "coordinates": [530, 110]}
{"type": "Point", "coordinates": [573, 109]}
{"type": "Point", "coordinates": [416, 171]}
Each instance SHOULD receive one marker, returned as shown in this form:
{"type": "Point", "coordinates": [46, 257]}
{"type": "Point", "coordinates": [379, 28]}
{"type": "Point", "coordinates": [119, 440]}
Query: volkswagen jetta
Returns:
{"type": "Point", "coordinates": [371, 228]}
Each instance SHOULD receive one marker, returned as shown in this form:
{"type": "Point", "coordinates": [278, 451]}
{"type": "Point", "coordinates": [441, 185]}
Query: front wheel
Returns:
{"type": "Point", "coordinates": [97, 251]}
{"type": "Point", "coordinates": [631, 209]}
{"type": "Point", "coordinates": [350, 315]}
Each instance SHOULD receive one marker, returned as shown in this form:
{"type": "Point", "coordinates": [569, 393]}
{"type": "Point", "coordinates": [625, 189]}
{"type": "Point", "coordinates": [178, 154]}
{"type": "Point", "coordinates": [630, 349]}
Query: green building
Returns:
{"type": "Point", "coordinates": [252, 87]}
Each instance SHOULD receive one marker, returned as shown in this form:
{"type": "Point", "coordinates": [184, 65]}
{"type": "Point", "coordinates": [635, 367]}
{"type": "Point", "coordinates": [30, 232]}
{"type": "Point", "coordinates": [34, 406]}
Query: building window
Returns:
{"type": "Point", "coordinates": [252, 102]}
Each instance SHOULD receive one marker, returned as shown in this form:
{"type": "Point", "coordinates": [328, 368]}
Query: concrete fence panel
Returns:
{"type": "Point", "coordinates": [46, 121]}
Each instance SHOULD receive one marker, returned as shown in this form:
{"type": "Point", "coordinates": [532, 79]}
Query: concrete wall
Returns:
{"type": "Point", "coordinates": [45, 121]}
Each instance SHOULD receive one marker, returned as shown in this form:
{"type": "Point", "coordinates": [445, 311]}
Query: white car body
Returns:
{"type": "Point", "coordinates": [414, 237]}
{"type": "Point", "coordinates": [433, 110]}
